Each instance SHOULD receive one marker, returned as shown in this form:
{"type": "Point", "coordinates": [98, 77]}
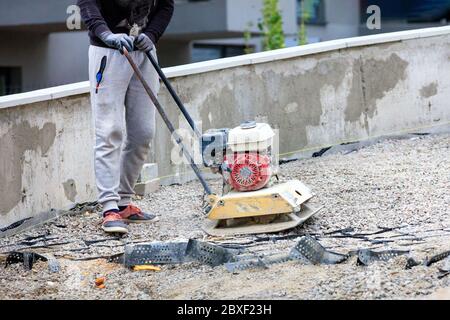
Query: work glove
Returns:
{"type": "Point", "coordinates": [144, 43]}
{"type": "Point", "coordinates": [117, 40]}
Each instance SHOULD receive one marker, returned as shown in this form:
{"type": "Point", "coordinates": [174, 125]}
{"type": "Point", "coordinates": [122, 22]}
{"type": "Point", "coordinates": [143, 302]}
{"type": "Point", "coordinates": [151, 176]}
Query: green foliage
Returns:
{"type": "Point", "coordinates": [272, 26]}
{"type": "Point", "coordinates": [247, 37]}
{"type": "Point", "coordinates": [307, 7]}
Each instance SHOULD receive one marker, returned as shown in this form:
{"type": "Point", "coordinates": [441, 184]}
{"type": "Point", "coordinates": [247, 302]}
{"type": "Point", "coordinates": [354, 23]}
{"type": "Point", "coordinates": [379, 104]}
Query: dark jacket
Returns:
{"type": "Point", "coordinates": [119, 16]}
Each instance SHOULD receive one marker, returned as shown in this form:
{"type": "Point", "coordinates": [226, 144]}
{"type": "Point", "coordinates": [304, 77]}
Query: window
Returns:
{"type": "Point", "coordinates": [10, 80]}
{"type": "Point", "coordinates": [204, 52]}
{"type": "Point", "coordinates": [313, 11]}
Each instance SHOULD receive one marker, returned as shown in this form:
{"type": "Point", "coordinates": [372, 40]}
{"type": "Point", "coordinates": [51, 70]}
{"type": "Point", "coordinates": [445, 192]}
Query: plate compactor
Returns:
{"type": "Point", "coordinates": [253, 201]}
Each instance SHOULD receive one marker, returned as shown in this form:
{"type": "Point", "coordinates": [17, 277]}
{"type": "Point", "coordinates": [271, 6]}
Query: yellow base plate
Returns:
{"type": "Point", "coordinates": [273, 209]}
{"type": "Point", "coordinates": [282, 222]}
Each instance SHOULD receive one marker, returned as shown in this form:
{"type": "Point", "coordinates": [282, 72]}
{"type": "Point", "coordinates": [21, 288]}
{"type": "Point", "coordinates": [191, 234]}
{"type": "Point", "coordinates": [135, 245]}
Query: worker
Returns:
{"type": "Point", "coordinates": [123, 114]}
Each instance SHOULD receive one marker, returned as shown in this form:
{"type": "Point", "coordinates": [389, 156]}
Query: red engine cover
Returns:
{"type": "Point", "coordinates": [249, 171]}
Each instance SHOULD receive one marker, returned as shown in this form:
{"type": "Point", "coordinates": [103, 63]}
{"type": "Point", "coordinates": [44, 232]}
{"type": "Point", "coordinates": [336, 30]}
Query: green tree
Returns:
{"type": "Point", "coordinates": [247, 37]}
{"type": "Point", "coordinates": [306, 9]}
{"type": "Point", "coordinates": [272, 26]}
{"type": "Point", "coordinates": [304, 17]}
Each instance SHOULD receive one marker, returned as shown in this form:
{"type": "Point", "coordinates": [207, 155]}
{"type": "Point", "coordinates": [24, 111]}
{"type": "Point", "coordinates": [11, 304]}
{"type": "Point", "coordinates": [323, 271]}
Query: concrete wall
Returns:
{"type": "Point", "coordinates": [316, 95]}
{"type": "Point", "coordinates": [45, 157]}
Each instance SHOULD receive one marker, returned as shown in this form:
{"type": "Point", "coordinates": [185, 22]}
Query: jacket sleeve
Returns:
{"type": "Point", "coordinates": [93, 19]}
{"type": "Point", "coordinates": [160, 20]}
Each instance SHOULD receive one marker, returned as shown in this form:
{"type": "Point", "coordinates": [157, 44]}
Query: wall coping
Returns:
{"type": "Point", "coordinates": [225, 63]}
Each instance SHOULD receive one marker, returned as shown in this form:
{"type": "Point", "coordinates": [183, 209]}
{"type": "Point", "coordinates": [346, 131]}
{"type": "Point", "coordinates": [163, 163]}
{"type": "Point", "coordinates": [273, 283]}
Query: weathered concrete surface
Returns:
{"type": "Point", "coordinates": [314, 100]}
{"type": "Point", "coordinates": [45, 157]}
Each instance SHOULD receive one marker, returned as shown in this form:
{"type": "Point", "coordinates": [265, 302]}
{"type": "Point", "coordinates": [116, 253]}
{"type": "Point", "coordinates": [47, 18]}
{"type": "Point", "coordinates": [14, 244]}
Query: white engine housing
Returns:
{"type": "Point", "coordinates": [254, 138]}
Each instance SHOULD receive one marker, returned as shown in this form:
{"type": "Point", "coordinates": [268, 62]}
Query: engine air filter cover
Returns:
{"type": "Point", "coordinates": [251, 137]}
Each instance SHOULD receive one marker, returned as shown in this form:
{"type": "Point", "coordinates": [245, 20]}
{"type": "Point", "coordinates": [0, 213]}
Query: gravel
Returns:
{"type": "Point", "coordinates": [399, 184]}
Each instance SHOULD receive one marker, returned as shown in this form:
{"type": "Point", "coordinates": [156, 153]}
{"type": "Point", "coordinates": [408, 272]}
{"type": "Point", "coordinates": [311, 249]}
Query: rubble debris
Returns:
{"type": "Point", "coordinates": [14, 225]}
{"type": "Point", "coordinates": [342, 231]}
{"type": "Point", "coordinates": [411, 263]}
{"type": "Point", "coordinates": [48, 245]}
{"type": "Point", "coordinates": [116, 258]}
{"type": "Point", "coordinates": [80, 208]}
{"type": "Point", "coordinates": [59, 225]}
{"type": "Point", "coordinates": [100, 283]}
{"type": "Point", "coordinates": [40, 236]}
{"type": "Point", "coordinates": [287, 160]}
{"type": "Point", "coordinates": [364, 200]}
{"type": "Point", "coordinates": [321, 152]}
{"type": "Point", "coordinates": [420, 134]}
{"type": "Point", "coordinates": [445, 270]}
{"type": "Point", "coordinates": [443, 274]}
{"type": "Point", "coordinates": [35, 244]}
{"type": "Point", "coordinates": [367, 256]}
{"type": "Point", "coordinates": [350, 233]}
{"type": "Point", "coordinates": [310, 251]}
{"type": "Point", "coordinates": [52, 262]}
{"type": "Point", "coordinates": [91, 242]}
{"type": "Point", "coordinates": [30, 243]}
{"type": "Point", "coordinates": [382, 230]}
{"type": "Point", "coordinates": [272, 238]}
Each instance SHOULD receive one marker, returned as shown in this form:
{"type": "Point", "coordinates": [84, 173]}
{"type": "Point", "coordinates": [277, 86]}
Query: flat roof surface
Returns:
{"type": "Point", "coordinates": [391, 195]}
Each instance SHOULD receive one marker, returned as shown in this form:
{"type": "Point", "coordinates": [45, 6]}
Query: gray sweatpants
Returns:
{"type": "Point", "coordinates": [124, 119]}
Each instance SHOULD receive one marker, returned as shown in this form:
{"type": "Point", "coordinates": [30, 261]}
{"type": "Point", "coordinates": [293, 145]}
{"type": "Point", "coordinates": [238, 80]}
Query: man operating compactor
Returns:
{"type": "Point", "coordinates": [119, 100]}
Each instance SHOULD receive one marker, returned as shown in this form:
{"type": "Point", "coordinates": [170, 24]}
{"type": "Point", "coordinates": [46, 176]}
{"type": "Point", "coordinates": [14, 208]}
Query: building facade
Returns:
{"type": "Point", "coordinates": [42, 45]}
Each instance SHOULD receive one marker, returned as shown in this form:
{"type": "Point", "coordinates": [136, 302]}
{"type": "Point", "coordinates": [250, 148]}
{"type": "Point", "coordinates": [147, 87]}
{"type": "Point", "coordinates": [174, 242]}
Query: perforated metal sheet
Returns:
{"type": "Point", "coordinates": [234, 267]}
{"type": "Point", "coordinates": [437, 258]}
{"type": "Point", "coordinates": [256, 262]}
{"type": "Point", "coordinates": [309, 250]}
{"type": "Point", "coordinates": [27, 258]}
{"type": "Point", "coordinates": [208, 253]}
{"type": "Point", "coordinates": [366, 256]}
{"type": "Point", "coordinates": [155, 253]}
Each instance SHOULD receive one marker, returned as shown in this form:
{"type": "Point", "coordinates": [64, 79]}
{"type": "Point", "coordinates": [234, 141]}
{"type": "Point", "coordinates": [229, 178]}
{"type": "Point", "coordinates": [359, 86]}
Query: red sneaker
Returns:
{"type": "Point", "coordinates": [136, 215]}
{"type": "Point", "coordinates": [113, 223]}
